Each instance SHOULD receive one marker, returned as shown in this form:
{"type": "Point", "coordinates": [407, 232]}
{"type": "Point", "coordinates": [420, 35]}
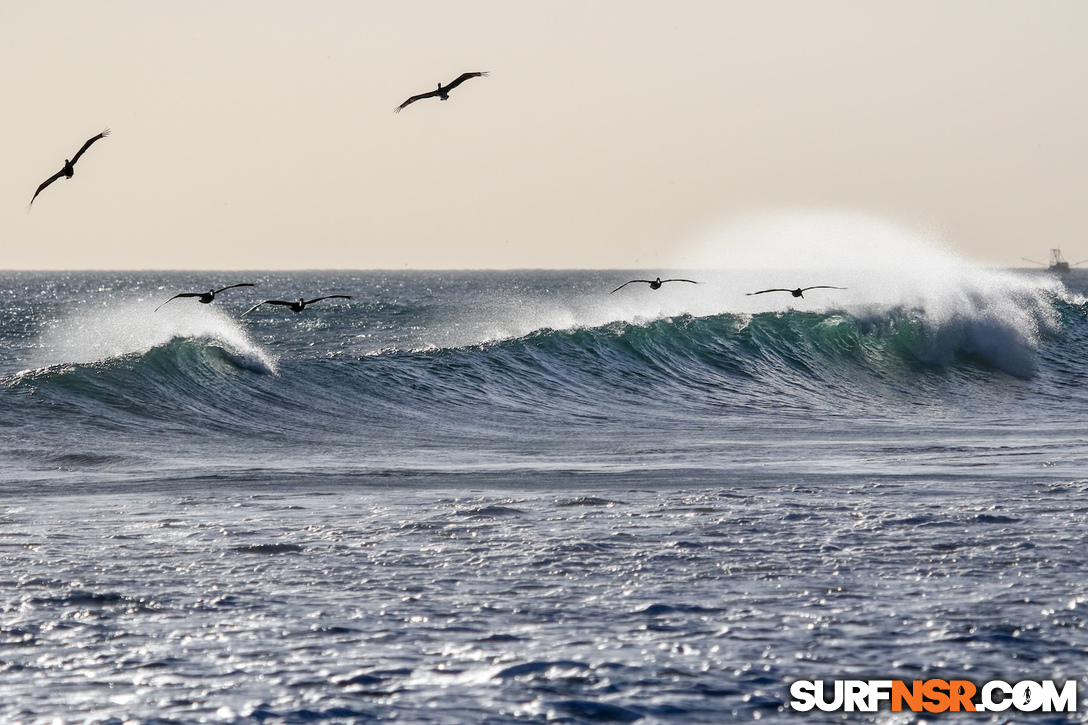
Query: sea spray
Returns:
{"type": "Point", "coordinates": [114, 328]}
{"type": "Point", "coordinates": [549, 371]}
{"type": "Point", "coordinates": [816, 239]}
{"type": "Point", "coordinates": [994, 316]}
{"type": "Point", "coordinates": [889, 272]}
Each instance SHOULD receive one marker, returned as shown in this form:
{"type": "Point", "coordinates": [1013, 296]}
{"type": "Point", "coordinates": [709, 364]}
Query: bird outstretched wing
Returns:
{"type": "Point", "coordinates": [647, 281]}
{"type": "Point", "coordinates": [765, 291]}
{"type": "Point", "coordinates": [44, 184]}
{"type": "Point", "coordinates": [265, 302]}
{"type": "Point", "coordinates": [232, 286]}
{"type": "Point", "coordinates": [413, 99]}
{"type": "Point", "coordinates": [464, 77]}
{"type": "Point", "coordinates": [88, 145]}
{"type": "Point", "coordinates": [327, 297]}
{"type": "Point", "coordinates": [821, 286]}
{"type": "Point", "coordinates": [679, 280]}
{"type": "Point", "coordinates": [180, 294]}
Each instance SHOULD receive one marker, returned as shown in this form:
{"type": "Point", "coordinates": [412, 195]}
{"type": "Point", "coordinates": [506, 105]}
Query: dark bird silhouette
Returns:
{"type": "Point", "coordinates": [795, 292]}
{"type": "Point", "coordinates": [442, 93]}
{"type": "Point", "coordinates": [654, 283]}
{"type": "Point", "coordinates": [68, 169]}
{"type": "Point", "coordinates": [206, 297]}
{"type": "Point", "coordinates": [297, 306]}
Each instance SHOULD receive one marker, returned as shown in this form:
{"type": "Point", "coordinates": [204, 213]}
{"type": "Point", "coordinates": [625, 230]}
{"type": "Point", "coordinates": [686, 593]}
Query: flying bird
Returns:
{"type": "Point", "coordinates": [795, 292]}
{"type": "Point", "coordinates": [297, 306]}
{"type": "Point", "coordinates": [206, 297]}
{"type": "Point", "coordinates": [67, 171]}
{"type": "Point", "coordinates": [654, 283]}
{"type": "Point", "coordinates": [442, 93]}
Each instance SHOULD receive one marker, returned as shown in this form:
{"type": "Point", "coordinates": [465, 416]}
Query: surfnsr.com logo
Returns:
{"type": "Point", "coordinates": [933, 696]}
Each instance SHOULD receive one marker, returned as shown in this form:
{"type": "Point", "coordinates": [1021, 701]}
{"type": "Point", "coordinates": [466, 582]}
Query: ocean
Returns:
{"type": "Point", "coordinates": [507, 497]}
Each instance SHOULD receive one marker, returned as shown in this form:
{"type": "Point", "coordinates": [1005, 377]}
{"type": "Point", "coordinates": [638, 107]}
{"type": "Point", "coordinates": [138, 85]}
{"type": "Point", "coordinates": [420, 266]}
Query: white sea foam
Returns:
{"type": "Point", "coordinates": [113, 328]}
{"type": "Point", "coordinates": [997, 315]}
{"type": "Point", "coordinates": [886, 269]}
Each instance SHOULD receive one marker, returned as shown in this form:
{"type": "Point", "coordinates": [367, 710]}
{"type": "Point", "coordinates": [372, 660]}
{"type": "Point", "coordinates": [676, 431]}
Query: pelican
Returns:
{"type": "Point", "coordinates": [297, 306]}
{"type": "Point", "coordinates": [68, 169]}
{"type": "Point", "coordinates": [654, 283]}
{"type": "Point", "coordinates": [795, 292]}
{"type": "Point", "coordinates": [442, 93]}
{"type": "Point", "coordinates": [206, 297]}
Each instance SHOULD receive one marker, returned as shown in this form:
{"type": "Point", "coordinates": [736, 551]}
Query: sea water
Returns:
{"type": "Point", "coordinates": [508, 497]}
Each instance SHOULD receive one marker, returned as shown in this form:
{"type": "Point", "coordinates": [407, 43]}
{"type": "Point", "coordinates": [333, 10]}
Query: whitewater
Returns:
{"type": "Point", "coordinates": [513, 497]}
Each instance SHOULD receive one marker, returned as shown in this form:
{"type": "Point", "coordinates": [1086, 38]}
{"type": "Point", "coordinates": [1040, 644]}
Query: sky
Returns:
{"type": "Point", "coordinates": [614, 134]}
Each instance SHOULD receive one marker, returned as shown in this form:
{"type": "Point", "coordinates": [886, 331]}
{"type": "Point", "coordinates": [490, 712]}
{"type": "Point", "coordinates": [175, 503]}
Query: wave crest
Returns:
{"type": "Point", "coordinates": [122, 328]}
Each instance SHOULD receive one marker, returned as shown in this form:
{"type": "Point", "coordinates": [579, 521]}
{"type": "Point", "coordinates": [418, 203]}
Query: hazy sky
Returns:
{"type": "Point", "coordinates": [610, 134]}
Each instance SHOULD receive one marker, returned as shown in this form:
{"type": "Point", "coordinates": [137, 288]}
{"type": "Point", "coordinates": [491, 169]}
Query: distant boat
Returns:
{"type": "Point", "coordinates": [1057, 262]}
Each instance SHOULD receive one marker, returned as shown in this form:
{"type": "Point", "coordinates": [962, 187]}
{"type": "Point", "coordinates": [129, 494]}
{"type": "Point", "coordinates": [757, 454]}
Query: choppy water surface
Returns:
{"type": "Point", "coordinates": [550, 605]}
{"type": "Point", "coordinates": [507, 497]}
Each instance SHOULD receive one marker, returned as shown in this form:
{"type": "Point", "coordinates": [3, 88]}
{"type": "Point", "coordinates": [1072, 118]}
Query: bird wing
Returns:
{"type": "Point", "coordinates": [413, 99]}
{"type": "Point", "coordinates": [46, 183]}
{"type": "Point", "coordinates": [464, 77]}
{"type": "Point", "coordinates": [762, 291]}
{"type": "Point", "coordinates": [821, 286]}
{"type": "Point", "coordinates": [679, 280]}
{"type": "Point", "coordinates": [88, 145]}
{"type": "Point", "coordinates": [232, 286]}
{"type": "Point", "coordinates": [180, 294]}
{"type": "Point", "coordinates": [265, 302]}
{"type": "Point", "coordinates": [326, 297]}
{"type": "Point", "coordinates": [627, 283]}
